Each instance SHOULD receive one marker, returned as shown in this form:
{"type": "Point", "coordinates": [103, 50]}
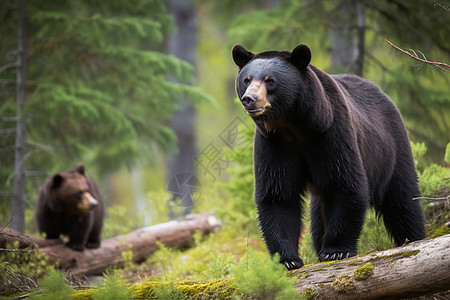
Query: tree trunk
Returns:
{"type": "Point", "coordinates": [347, 37]}
{"type": "Point", "coordinates": [142, 242]}
{"type": "Point", "coordinates": [413, 270]}
{"type": "Point", "coordinates": [18, 193]}
{"type": "Point", "coordinates": [181, 167]}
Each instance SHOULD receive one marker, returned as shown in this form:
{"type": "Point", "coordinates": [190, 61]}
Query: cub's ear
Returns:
{"type": "Point", "coordinates": [80, 169]}
{"type": "Point", "coordinates": [300, 56]}
{"type": "Point", "coordinates": [241, 56]}
{"type": "Point", "coordinates": [57, 180]}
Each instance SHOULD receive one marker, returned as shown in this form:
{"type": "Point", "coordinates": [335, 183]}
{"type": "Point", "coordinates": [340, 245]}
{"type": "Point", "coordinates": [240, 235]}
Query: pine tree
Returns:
{"type": "Point", "coordinates": [97, 84]}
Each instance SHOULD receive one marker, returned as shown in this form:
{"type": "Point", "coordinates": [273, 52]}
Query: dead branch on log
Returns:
{"type": "Point", "coordinates": [413, 270]}
{"type": "Point", "coordinates": [8, 235]}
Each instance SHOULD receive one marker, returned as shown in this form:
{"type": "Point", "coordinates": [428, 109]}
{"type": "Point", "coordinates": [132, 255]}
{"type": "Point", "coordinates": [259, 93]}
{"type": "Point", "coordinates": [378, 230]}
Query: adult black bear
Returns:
{"type": "Point", "coordinates": [70, 203]}
{"type": "Point", "coordinates": [338, 137]}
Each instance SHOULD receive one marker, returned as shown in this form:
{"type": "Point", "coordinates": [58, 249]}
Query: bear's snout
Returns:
{"type": "Point", "coordinates": [255, 100]}
{"type": "Point", "coordinates": [87, 202]}
{"type": "Point", "coordinates": [248, 100]}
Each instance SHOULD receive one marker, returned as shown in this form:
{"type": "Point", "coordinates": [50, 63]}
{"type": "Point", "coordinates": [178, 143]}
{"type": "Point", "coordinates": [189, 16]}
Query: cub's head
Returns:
{"type": "Point", "coordinates": [69, 192]}
{"type": "Point", "coordinates": [268, 82]}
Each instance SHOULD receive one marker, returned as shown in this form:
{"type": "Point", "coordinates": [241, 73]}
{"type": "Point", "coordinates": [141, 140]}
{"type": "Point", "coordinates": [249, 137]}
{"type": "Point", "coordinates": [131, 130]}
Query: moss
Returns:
{"type": "Point", "coordinates": [440, 231]}
{"type": "Point", "coordinates": [331, 276]}
{"type": "Point", "coordinates": [363, 272]}
{"type": "Point", "coordinates": [215, 289]}
{"type": "Point", "coordinates": [344, 284]}
{"type": "Point", "coordinates": [309, 293]}
{"type": "Point", "coordinates": [84, 294]}
{"type": "Point", "coordinates": [356, 262]}
{"type": "Point", "coordinates": [325, 265]}
{"type": "Point", "coordinates": [396, 255]}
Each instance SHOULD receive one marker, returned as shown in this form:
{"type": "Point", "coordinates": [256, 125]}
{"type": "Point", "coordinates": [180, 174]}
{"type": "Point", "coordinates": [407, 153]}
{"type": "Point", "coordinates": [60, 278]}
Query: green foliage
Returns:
{"type": "Point", "coordinates": [263, 277]}
{"type": "Point", "coordinates": [127, 256]}
{"type": "Point", "coordinates": [114, 287]}
{"type": "Point", "coordinates": [118, 222]}
{"type": "Point", "coordinates": [240, 209]}
{"type": "Point", "coordinates": [418, 151]}
{"type": "Point", "coordinates": [168, 259]}
{"type": "Point", "coordinates": [20, 269]}
{"type": "Point", "coordinates": [32, 262]}
{"type": "Point", "coordinates": [435, 178]}
{"type": "Point", "coordinates": [447, 154]}
{"type": "Point", "coordinates": [219, 265]}
{"type": "Point", "coordinates": [373, 236]}
{"type": "Point", "coordinates": [53, 286]}
{"type": "Point", "coordinates": [168, 291]}
{"type": "Point", "coordinates": [306, 249]}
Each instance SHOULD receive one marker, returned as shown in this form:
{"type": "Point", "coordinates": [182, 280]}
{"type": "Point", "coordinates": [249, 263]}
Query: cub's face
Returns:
{"type": "Point", "coordinates": [267, 83]}
{"type": "Point", "coordinates": [70, 192]}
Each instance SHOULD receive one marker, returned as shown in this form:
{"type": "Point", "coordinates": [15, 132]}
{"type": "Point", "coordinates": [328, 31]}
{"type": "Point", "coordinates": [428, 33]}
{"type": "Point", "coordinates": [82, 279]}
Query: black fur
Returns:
{"type": "Point", "coordinates": [338, 137]}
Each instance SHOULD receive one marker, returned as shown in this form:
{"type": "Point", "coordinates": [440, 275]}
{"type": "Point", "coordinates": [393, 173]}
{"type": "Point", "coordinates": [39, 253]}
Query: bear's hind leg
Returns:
{"type": "Point", "coordinates": [403, 216]}
{"type": "Point", "coordinates": [317, 227]}
{"type": "Point", "coordinates": [281, 226]}
{"type": "Point", "coordinates": [343, 217]}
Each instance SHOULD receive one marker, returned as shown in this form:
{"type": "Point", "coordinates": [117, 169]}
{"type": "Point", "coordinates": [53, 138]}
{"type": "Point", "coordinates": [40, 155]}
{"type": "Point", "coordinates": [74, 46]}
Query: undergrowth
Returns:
{"type": "Point", "coordinates": [229, 264]}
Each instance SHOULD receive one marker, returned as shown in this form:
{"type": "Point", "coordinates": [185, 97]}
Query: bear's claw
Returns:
{"type": "Point", "coordinates": [335, 256]}
{"type": "Point", "coordinates": [293, 264]}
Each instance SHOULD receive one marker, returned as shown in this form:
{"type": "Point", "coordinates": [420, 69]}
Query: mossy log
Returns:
{"type": "Point", "coordinates": [413, 270]}
{"type": "Point", "coordinates": [142, 242]}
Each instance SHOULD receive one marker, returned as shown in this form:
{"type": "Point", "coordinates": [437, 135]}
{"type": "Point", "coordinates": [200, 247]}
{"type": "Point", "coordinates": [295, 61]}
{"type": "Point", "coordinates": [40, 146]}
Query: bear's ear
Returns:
{"type": "Point", "coordinates": [80, 169]}
{"type": "Point", "coordinates": [57, 180]}
{"type": "Point", "coordinates": [241, 56]}
{"type": "Point", "coordinates": [300, 56]}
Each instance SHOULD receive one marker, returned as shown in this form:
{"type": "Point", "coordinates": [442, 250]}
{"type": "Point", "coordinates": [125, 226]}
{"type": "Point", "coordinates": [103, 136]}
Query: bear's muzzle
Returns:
{"type": "Point", "coordinates": [87, 203]}
{"type": "Point", "coordinates": [255, 100]}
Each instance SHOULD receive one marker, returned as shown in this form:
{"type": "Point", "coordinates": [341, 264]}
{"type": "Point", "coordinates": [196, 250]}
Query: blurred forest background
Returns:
{"type": "Point", "coordinates": [142, 92]}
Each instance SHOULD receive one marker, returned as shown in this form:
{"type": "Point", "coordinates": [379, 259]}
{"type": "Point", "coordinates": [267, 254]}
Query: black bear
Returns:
{"type": "Point", "coordinates": [340, 138]}
{"type": "Point", "coordinates": [70, 204]}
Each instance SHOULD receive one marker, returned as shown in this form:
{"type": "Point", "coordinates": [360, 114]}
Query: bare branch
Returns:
{"type": "Point", "coordinates": [444, 7]}
{"type": "Point", "coordinates": [8, 67]}
{"type": "Point", "coordinates": [414, 55]}
{"type": "Point", "coordinates": [433, 199]}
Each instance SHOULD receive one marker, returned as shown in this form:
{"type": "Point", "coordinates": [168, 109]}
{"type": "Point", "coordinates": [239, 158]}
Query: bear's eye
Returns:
{"type": "Point", "coordinates": [269, 80]}
{"type": "Point", "coordinates": [247, 80]}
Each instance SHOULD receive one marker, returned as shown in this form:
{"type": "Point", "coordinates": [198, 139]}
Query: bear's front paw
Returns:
{"type": "Point", "coordinates": [92, 245]}
{"type": "Point", "coordinates": [293, 264]}
{"type": "Point", "coordinates": [75, 246]}
{"type": "Point", "coordinates": [335, 255]}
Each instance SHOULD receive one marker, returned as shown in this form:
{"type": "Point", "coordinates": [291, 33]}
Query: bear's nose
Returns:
{"type": "Point", "coordinates": [248, 100]}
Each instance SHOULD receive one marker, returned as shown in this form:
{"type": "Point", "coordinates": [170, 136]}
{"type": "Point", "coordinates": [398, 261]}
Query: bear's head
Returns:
{"type": "Point", "coordinates": [69, 192]}
{"type": "Point", "coordinates": [268, 82]}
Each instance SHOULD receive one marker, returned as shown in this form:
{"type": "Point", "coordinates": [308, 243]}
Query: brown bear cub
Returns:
{"type": "Point", "coordinates": [70, 204]}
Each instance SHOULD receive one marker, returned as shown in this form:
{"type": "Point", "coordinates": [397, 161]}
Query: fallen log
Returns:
{"type": "Point", "coordinates": [8, 235]}
{"type": "Point", "coordinates": [142, 242]}
{"type": "Point", "coordinates": [413, 270]}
